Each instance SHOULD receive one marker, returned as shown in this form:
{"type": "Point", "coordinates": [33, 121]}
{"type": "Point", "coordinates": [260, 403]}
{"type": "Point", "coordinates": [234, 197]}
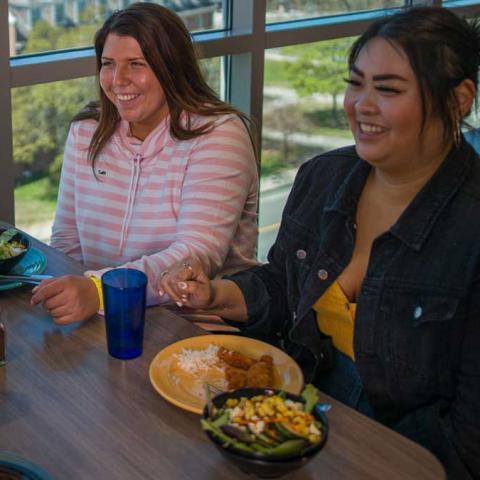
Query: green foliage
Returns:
{"type": "Point", "coordinates": [272, 162]}
{"type": "Point", "coordinates": [45, 37]}
{"type": "Point", "coordinates": [41, 118]}
{"type": "Point", "coordinates": [323, 119]}
{"type": "Point", "coordinates": [42, 113]}
{"type": "Point", "coordinates": [276, 73]}
{"type": "Point", "coordinates": [319, 67]}
{"type": "Point", "coordinates": [54, 172]}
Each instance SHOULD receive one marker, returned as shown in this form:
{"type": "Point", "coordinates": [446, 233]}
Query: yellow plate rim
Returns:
{"type": "Point", "coordinates": [217, 339]}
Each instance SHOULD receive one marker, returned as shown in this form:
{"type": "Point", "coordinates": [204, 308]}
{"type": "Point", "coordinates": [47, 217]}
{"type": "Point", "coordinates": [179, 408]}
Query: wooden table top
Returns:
{"type": "Point", "coordinates": [68, 406]}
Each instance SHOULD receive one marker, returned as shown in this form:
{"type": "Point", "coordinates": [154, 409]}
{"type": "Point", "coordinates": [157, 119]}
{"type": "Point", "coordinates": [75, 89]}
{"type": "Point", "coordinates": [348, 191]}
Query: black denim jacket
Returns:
{"type": "Point", "coordinates": [417, 326]}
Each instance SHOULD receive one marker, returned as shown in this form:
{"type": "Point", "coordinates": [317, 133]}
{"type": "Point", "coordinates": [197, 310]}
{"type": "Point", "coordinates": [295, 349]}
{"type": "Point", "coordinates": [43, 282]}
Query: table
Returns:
{"type": "Point", "coordinates": [68, 406]}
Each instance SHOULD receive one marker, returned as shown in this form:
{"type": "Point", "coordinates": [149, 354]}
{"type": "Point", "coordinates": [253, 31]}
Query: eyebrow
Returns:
{"type": "Point", "coordinates": [384, 76]}
{"type": "Point", "coordinates": [129, 59]}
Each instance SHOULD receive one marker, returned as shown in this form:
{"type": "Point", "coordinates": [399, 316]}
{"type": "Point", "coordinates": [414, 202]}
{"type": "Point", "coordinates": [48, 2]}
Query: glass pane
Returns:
{"type": "Point", "coordinates": [302, 117]}
{"type": "Point", "coordinates": [37, 25]}
{"type": "Point", "coordinates": [41, 117]}
{"type": "Point", "coordinates": [284, 10]}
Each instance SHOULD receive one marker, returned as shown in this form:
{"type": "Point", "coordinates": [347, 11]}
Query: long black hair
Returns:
{"type": "Point", "coordinates": [443, 50]}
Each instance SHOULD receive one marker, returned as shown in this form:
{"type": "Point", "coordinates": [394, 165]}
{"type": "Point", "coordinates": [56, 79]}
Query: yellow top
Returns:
{"type": "Point", "coordinates": [335, 317]}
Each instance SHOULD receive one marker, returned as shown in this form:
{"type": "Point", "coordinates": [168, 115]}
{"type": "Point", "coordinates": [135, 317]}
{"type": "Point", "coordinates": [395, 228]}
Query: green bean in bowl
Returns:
{"type": "Point", "coordinates": [264, 431]}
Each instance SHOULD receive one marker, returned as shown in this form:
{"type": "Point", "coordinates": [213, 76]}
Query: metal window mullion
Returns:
{"type": "Point", "coordinates": [7, 209]}
{"type": "Point", "coordinates": [245, 75]}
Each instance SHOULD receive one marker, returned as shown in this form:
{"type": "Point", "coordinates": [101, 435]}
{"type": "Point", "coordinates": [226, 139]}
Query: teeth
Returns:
{"type": "Point", "coordinates": [126, 97]}
{"type": "Point", "coordinates": [368, 128]}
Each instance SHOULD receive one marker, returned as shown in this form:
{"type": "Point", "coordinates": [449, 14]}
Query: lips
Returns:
{"type": "Point", "coordinates": [127, 97]}
{"type": "Point", "coordinates": [370, 128]}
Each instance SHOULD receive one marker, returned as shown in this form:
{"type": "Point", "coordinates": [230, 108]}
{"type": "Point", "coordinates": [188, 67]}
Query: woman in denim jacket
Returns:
{"type": "Point", "coordinates": [393, 224]}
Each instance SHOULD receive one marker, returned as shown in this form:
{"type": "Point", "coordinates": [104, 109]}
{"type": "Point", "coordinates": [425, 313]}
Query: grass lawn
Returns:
{"type": "Point", "coordinates": [34, 203]}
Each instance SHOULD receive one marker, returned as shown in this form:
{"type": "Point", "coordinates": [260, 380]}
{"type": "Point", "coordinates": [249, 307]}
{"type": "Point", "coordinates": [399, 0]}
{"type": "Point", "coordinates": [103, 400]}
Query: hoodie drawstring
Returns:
{"type": "Point", "coordinates": [132, 189]}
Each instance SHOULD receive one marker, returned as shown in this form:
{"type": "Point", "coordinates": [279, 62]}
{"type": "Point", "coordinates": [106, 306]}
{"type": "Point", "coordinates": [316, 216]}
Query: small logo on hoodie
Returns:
{"type": "Point", "coordinates": [101, 172]}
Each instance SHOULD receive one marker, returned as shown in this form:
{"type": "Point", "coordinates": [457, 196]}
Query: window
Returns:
{"type": "Point", "coordinates": [41, 118]}
{"type": "Point", "coordinates": [38, 26]}
{"type": "Point", "coordinates": [302, 117]}
{"type": "Point", "coordinates": [284, 10]}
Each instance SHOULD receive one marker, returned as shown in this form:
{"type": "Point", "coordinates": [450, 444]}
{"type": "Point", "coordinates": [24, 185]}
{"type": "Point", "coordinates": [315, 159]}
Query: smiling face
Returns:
{"type": "Point", "coordinates": [384, 109]}
{"type": "Point", "coordinates": [131, 85]}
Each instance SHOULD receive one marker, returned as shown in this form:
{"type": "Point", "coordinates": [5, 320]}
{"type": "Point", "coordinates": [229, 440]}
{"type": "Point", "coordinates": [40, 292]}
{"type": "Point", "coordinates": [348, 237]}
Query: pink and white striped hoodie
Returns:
{"type": "Point", "coordinates": [159, 201]}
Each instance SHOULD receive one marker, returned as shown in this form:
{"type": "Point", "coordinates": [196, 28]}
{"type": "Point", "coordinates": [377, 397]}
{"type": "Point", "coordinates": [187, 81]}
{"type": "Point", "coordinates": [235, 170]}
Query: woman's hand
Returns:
{"type": "Point", "coordinates": [187, 284]}
{"type": "Point", "coordinates": [68, 299]}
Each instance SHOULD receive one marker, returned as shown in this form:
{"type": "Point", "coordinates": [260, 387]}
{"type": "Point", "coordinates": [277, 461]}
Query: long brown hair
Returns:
{"type": "Point", "coordinates": [168, 49]}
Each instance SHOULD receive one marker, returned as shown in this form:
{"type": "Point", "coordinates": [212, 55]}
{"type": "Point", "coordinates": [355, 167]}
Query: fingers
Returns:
{"type": "Point", "coordinates": [53, 303]}
{"type": "Point", "coordinates": [179, 272]}
{"type": "Point", "coordinates": [68, 299]}
{"type": "Point", "coordinates": [46, 290]}
{"type": "Point", "coordinates": [169, 286]}
{"type": "Point", "coordinates": [61, 314]}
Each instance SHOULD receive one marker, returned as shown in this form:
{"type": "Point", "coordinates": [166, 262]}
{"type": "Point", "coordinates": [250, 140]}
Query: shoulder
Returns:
{"type": "Point", "coordinates": [328, 169]}
{"type": "Point", "coordinates": [225, 133]}
{"type": "Point", "coordinates": [81, 133]}
{"type": "Point", "coordinates": [223, 123]}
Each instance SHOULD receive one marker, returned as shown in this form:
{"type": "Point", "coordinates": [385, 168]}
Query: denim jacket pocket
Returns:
{"type": "Point", "coordinates": [418, 331]}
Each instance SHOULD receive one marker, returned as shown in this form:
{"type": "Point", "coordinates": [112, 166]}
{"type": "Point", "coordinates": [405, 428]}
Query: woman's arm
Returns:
{"type": "Point", "coordinates": [64, 231]}
{"type": "Point", "coordinates": [217, 206]}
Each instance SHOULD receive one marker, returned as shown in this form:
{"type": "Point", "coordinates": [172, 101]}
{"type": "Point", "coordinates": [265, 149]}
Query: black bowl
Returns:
{"type": "Point", "coordinates": [256, 463]}
{"type": "Point", "coordinates": [8, 263]}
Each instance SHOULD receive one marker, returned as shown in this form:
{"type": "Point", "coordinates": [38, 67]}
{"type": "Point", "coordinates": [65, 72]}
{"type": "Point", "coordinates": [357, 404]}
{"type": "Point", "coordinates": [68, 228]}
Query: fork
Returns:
{"type": "Point", "coordinates": [210, 392]}
{"type": "Point", "coordinates": [33, 279]}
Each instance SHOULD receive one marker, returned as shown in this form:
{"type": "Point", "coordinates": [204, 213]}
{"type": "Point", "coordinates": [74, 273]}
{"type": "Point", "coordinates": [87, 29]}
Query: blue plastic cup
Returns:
{"type": "Point", "coordinates": [124, 294]}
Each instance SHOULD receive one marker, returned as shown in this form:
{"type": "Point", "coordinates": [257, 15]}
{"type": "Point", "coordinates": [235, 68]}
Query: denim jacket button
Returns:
{"type": "Point", "coordinates": [322, 274]}
{"type": "Point", "coordinates": [417, 313]}
{"type": "Point", "coordinates": [301, 254]}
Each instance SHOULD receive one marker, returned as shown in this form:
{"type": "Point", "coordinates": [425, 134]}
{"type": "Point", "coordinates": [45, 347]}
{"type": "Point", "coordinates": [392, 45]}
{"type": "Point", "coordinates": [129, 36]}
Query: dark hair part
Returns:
{"type": "Point", "coordinates": [168, 49]}
{"type": "Point", "coordinates": [443, 50]}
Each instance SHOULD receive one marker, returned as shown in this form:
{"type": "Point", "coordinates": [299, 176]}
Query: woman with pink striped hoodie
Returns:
{"type": "Point", "coordinates": [159, 171]}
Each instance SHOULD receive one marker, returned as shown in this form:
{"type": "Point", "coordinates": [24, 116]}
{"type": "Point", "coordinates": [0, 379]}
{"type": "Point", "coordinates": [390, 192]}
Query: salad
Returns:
{"type": "Point", "coordinates": [9, 247]}
{"type": "Point", "coordinates": [267, 424]}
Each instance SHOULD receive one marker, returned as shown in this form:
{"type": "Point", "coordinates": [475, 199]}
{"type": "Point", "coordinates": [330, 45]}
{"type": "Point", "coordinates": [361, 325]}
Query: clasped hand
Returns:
{"type": "Point", "coordinates": [187, 284]}
{"type": "Point", "coordinates": [70, 298]}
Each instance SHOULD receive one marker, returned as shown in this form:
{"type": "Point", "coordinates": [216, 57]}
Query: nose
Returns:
{"type": "Point", "coordinates": [366, 102]}
{"type": "Point", "coordinates": [120, 76]}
